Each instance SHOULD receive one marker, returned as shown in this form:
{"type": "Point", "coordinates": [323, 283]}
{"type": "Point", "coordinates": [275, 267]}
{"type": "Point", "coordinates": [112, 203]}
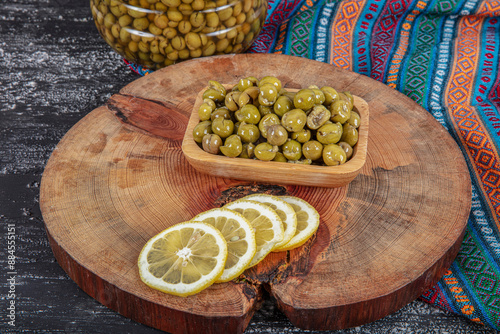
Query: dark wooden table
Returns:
{"type": "Point", "coordinates": [54, 69]}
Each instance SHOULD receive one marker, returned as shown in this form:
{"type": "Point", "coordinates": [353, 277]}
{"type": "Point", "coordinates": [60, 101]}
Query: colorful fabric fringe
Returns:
{"type": "Point", "coordinates": [444, 54]}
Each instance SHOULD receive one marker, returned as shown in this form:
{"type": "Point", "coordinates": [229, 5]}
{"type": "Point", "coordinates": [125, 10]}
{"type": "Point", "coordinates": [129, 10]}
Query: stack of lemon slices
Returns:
{"type": "Point", "coordinates": [218, 245]}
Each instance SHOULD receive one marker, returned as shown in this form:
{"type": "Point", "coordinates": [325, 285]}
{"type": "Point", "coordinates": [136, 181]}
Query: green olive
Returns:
{"type": "Point", "coordinates": [272, 80]}
{"type": "Point", "coordinates": [292, 149]}
{"type": "Point", "coordinates": [319, 96]}
{"type": "Point", "coordinates": [252, 92]}
{"type": "Point", "coordinates": [249, 133]}
{"type": "Point", "coordinates": [232, 146]}
{"type": "Point", "coordinates": [265, 151]}
{"type": "Point", "coordinates": [214, 94]}
{"type": "Point", "coordinates": [331, 95]}
{"type": "Point", "coordinates": [243, 99]}
{"type": "Point", "coordinates": [222, 127]}
{"type": "Point", "coordinates": [248, 151]}
{"type": "Point", "coordinates": [313, 150]}
{"type": "Point", "coordinates": [244, 83]}
{"type": "Point", "coordinates": [329, 133]}
{"type": "Point", "coordinates": [347, 149]}
{"type": "Point", "coordinates": [333, 155]}
{"type": "Point", "coordinates": [354, 120]}
{"type": "Point", "coordinates": [211, 143]}
{"type": "Point", "coordinates": [266, 121]}
{"type": "Point", "coordinates": [268, 94]}
{"type": "Point", "coordinates": [341, 111]}
{"type": "Point", "coordinates": [301, 136]}
{"type": "Point", "coordinates": [318, 116]}
{"type": "Point", "coordinates": [346, 96]}
{"type": "Point", "coordinates": [201, 129]}
{"type": "Point", "coordinates": [217, 86]}
{"type": "Point", "coordinates": [304, 99]}
{"type": "Point", "coordinates": [282, 105]}
{"type": "Point", "coordinates": [349, 134]}
{"type": "Point", "coordinates": [230, 100]}
{"type": "Point", "coordinates": [204, 111]}
{"type": "Point", "coordinates": [294, 120]}
{"type": "Point", "coordinates": [248, 113]}
{"type": "Point", "coordinates": [279, 157]}
{"type": "Point", "coordinates": [220, 112]}
{"type": "Point", "coordinates": [276, 134]}
{"type": "Point", "coordinates": [265, 110]}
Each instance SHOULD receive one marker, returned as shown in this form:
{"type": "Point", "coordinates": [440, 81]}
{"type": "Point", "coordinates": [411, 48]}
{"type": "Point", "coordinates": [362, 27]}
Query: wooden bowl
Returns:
{"type": "Point", "coordinates": [277, 172]}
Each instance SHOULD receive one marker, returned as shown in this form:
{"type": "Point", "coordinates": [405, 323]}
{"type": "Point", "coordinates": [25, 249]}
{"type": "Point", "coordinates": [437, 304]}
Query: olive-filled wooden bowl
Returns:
{"type": "Point", "coordinates": [252, 169]}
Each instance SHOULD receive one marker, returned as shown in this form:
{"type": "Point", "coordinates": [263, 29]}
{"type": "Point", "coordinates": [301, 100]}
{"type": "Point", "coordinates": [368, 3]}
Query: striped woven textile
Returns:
{"type": "Point", "coordinates": [443, 54]}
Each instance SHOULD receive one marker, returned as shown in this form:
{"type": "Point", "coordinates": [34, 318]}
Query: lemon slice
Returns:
{"type": "Point", "coordinates": [307, 222]}
{"type": "Point", "coordinates": [284, 210]}
{"type": "Point", "coordinates": [265, 222]}
{"type": "Point", "coordinates": [183, 259]}
{"type": "Point", "coordinates": [239, 236]}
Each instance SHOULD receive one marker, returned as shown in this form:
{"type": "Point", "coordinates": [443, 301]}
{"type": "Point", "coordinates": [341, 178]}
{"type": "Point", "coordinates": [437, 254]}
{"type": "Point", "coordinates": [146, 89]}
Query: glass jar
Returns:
{"type": "Point", "coordinates": [158, 33]}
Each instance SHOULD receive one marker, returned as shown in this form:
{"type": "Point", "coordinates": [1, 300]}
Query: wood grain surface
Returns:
{"type": "Point", "coordinates": [383, 239]}
{"type": "Point", "coordinates": [54, 70]}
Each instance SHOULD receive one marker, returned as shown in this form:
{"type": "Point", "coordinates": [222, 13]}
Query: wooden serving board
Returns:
{"type": "Point", "coordinates": [119, 177]}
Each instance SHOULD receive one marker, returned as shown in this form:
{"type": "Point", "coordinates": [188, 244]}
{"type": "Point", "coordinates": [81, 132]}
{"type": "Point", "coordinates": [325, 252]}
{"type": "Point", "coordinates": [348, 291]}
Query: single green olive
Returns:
{"type": "Point", "coordinates": [248, 113]}
{"type": "Point", "coordinates": [252, 92]}
{"type": "Point", "coordinates": [243, 99]}
{"type": "Point", "coordinates": [216, 85]}
{"type": "Point", "coordinates": [266, 121]}
{"type": "Point", "coordinates": [304, 99]}
{"type": "Point", "coordinates": [220, 112]}
{"type": "Point", "coordinates": [313, 150]}
{"type": "Point", "coordinates": [301, 136]}
{"type": "Point", "coordinates": [318, 116]}
{"type": "Point", "coordinates": [243, 84]}
{"type": "Point", "coordinates": [341, 111]}
{"type": "Point", "coordinates": [319, 96]}
{"type": "Point", "coordinates": [329, 133]}
{"type": "Point", "coordinates": [211, 103]}
{"type": "Point", "coordinates": [276, 134]}
{"type": "Point", "coordinates": [331, 95]}
{"type": "Point", "coordinates": [249, 133]}
{"type": "Point", "coordinates": [248, 151]}
{"type": "Point", "coordinates": [201, 129]}
{"type": "Point", "coordinates": [292, 149]}
{"type": "Point", "coordinates": [280, 157]}
{"type": "Point", "coordinates": [231, 100]}
{"type": "Point", "coordinates": [346, 96]}
{"type": "Point", "coordinates": [349, 134]}
{"type": "Point", "coordinates": [347, 149]}
{"type": "Point", "coordinates": [355, 119]}
{"type": "Point", "coordinates": [333, 155]}
{"type": "Point", "coordinates": [265, 110]}
{"type": "Point", "coordinates": [211, 143]}
{"type": "Point", "coordinates": [204, 111]}
{"type": "Point", "coordinates": [282, 105]}
{"type": "Point", "coordinates": [222, 127]}
{"type": "Point", "coordinates": [268, 94]}
{"type": "Point", "coordinates": [294, 120]}
{"type": "Point", "coordinates": [214, 94]}
{"type": "Point", "coordinates": [265, 151]}
{"type": "Point", "coordinates": [272, 80]}
{"type": "Point", "coordinates": [232, 146]}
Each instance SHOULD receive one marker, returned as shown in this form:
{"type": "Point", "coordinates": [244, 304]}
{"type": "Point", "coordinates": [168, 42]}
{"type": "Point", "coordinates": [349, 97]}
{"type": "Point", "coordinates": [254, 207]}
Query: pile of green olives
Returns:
{"type": "Point", "coordinates": [158, 33]}
{"type": "Point", "coordinates": [260, 119]}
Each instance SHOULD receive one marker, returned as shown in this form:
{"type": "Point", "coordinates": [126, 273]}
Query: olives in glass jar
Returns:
{"type": "Point", "coordinates": [159, 33]}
